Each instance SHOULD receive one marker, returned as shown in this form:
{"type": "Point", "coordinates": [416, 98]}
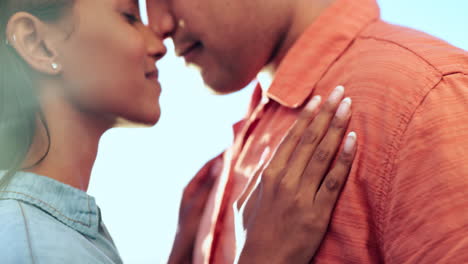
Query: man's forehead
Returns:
{"type": "Point", "coordinates": [155, 8]}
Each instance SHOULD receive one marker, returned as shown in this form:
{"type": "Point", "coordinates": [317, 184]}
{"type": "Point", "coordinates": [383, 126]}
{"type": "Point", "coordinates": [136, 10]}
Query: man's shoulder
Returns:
{"type": "Point", "coordinates": [443, 57]}
{"type": "Point", "coordinates": [400, 63]}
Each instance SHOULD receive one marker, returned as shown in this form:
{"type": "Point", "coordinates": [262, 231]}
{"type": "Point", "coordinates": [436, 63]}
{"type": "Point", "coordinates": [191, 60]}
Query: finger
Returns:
{"type": "Point", "coordinates": [204, 178]}
{"type": "Point", "coordinates": [325, 152]}
{"type": "Point", "coordinates": [274, 171]}
{"type": "Point", "coordinates": [204, 194]}
{"type": "Point", "coordinates": [197, 194]}
{"type": "Point", "coordinates": [311, 137]}
{"type": "Point", "coordinates": [289, 142]}
{"type": "Point", "coordinates": [333, 183]}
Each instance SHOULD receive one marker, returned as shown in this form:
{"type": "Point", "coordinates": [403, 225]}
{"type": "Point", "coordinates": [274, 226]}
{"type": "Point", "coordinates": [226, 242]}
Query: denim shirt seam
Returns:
{"type": "Point", "coordinates": [55, 209]}
{"type": "Point", "coordinates": [28, 235]}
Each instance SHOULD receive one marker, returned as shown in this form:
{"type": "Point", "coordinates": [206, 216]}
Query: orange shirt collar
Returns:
{"type": "Point", "coordinates": [319, 46]}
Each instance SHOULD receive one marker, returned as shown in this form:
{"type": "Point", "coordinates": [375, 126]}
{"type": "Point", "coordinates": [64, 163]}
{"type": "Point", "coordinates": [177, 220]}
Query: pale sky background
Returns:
{"type": "Point", "coordinates": [140, 173]}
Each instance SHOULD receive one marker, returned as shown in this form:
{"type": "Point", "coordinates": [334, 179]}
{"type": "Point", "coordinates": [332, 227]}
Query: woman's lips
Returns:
{"type": "Point", "coordinates": [153, 75]}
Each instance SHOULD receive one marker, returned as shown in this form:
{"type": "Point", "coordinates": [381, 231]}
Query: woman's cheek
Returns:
{"type": "Point", "coordinates": [134, 44]}
{"type": "Point", "coordinates": [103, 71]}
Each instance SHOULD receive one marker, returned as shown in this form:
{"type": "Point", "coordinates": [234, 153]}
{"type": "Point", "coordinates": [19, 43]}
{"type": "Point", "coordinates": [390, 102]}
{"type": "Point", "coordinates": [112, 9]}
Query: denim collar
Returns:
{"type": "Point", "coordinates": [68, 205]}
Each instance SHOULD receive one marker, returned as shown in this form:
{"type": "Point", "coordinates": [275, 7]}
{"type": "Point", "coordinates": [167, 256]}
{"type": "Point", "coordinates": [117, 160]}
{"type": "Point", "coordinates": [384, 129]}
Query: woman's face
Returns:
{"type": "Point", "coordinates": [108, 62]}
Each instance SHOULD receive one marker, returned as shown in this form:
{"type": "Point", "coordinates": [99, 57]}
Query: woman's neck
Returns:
{"type": "Point", "coordinates": [74, 139]}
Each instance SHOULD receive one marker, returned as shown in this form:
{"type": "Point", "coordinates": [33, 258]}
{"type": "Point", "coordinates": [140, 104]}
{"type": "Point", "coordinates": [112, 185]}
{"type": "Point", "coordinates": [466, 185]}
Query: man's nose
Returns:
{"type": "Point", "coordinates": [160, 18]}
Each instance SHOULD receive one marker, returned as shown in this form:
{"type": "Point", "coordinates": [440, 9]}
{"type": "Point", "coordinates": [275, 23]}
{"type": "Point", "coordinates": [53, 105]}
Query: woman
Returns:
{"type": "Point", "coordinates": [71, 70]}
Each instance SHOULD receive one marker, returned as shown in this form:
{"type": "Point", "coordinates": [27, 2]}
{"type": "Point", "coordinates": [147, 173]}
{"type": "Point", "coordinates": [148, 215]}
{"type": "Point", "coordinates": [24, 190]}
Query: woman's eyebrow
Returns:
{"type": "Point", "coordinates": [130, 3]}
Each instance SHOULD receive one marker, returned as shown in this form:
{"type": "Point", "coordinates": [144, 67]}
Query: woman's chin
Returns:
{"type": "Point", "coordinates": [138, 122]}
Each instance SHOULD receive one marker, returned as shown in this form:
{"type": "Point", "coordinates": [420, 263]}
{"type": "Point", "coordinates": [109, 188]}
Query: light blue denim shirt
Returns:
{"type": "Point", "coordinates": [45, 221]}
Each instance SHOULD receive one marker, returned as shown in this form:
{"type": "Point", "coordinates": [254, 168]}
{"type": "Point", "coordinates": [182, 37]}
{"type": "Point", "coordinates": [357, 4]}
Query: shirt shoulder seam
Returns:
{"type": "Point", "coordinates": [28, 235]}
{"type": "Point", "coordinates": [407, 49]}
{"type": "Point", "coordinates": [450, 74]}
{"type": "Point", "coordinates": [385, 186]}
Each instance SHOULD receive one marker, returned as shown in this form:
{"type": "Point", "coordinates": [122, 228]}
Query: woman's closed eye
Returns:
{"type": "Point", "coordinates": [131, 18]}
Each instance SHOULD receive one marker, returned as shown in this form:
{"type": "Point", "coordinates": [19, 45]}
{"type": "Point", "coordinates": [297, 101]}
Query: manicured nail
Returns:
{"type": "Point", "coordinates": [344, 108]}
{"type": "Point", "coordinates": [350, 143]}
{"type": "Point", "coordinates": [336, 95]}
{"type": "Point", "coordinates": [313, 103]}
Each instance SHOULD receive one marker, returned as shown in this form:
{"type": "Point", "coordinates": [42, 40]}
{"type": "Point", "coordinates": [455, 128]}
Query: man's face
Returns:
{"type": "Point", "coordinates": [229, 40]}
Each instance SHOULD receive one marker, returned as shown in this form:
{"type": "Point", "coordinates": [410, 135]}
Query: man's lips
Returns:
{"type": "Point", "coordinates": [182, 51]}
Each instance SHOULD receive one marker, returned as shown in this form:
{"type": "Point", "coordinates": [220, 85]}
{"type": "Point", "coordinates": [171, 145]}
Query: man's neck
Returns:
{"type": "Point", "coordinates": [304, 14]}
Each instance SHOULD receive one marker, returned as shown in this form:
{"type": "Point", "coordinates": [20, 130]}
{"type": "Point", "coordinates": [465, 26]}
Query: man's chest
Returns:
{"type": "Point", "coordinates": [258, 141]}
{"type": "Point", "coordinates": [351, 227]}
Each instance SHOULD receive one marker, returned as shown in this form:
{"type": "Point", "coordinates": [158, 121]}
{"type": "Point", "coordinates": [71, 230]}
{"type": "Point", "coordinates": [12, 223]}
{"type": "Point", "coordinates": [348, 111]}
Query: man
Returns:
{"type": "Point", "coordinates": [405, 200]}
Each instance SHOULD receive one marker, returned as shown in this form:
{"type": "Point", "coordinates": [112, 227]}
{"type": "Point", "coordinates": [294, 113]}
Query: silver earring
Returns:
{"type": "Point", "coordinates": [8, 42]}
{"type": "Point", "coordinates": [54, 66]}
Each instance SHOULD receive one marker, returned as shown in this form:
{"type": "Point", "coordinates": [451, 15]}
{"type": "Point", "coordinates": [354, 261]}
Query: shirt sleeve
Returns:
{"type": "Point", "coordinates": [426, 214]}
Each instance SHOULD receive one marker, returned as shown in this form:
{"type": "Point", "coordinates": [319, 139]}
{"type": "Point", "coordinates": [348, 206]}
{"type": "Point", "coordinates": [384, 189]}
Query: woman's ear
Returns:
{"type": "Point", "coordinates": [31, 38]}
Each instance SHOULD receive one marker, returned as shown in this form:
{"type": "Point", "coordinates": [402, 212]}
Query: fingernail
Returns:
{"type": "Point", "coordinates": [313, 103]}
{"type": "Point", "coordinates": [344, 108]}
{"type": "Point", "coordinates": [350, 143]}
{"type": "Point", "coordinates": [336, 95]}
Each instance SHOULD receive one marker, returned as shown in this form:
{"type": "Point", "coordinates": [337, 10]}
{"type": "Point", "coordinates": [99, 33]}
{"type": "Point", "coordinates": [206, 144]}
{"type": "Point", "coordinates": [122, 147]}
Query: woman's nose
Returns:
{"type": "Point", "coordinates": [154, 44]}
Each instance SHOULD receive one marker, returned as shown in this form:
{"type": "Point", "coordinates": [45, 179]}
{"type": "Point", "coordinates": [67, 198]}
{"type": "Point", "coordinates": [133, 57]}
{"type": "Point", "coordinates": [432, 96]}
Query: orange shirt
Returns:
{"type": "Point", "coordinates": [406, 199]}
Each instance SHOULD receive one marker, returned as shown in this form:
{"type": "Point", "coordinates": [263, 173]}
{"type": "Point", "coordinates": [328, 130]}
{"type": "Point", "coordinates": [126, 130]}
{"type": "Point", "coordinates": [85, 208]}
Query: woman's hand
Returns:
{"type": "Point", "coordinates": [192, 206]}
{"type": "Point", "coordinates": [283, 214]}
